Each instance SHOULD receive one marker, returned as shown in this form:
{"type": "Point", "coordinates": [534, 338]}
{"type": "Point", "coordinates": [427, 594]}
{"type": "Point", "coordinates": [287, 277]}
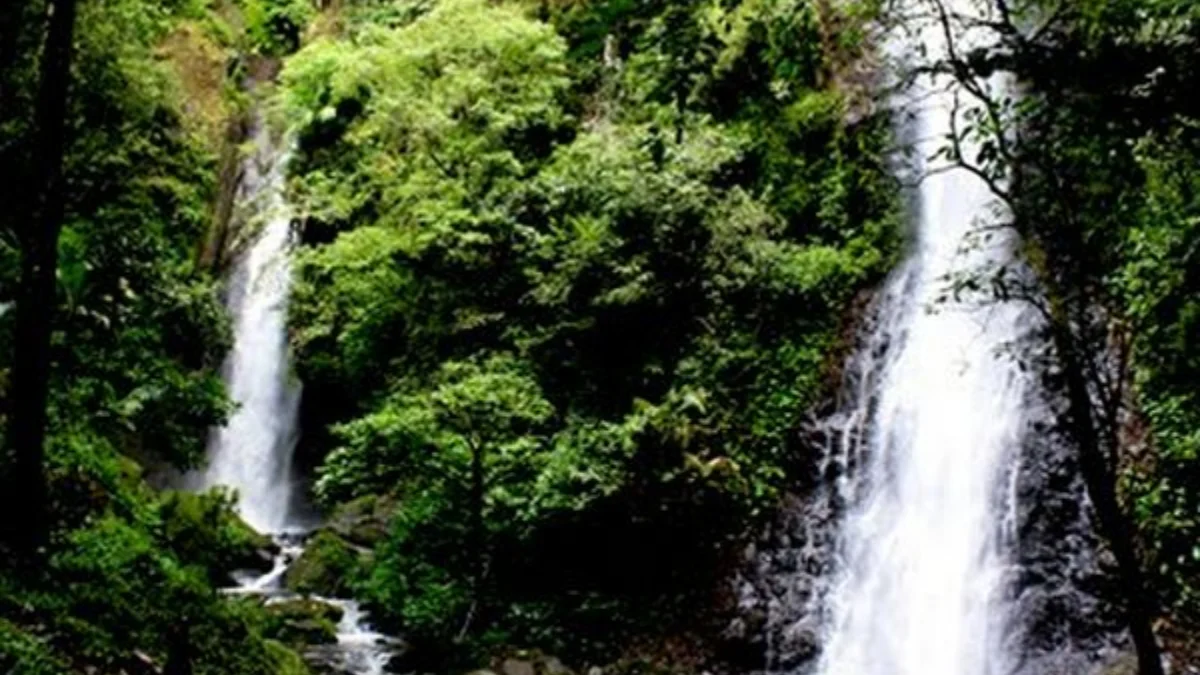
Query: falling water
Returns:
{"type": "Point", "coordinates": [925, 549]}
{"type": "Point", "coordinates": [360, 649]}
{"type": "Point", "coordinates": [253, 452]}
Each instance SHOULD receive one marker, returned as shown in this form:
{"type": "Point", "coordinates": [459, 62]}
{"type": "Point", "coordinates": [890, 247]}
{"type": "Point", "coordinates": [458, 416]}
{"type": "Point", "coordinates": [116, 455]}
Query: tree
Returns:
{"type": "Point", "coordinates": [489, 410]}
{"type": "Point", "coordinates": [36, 300]}
{"type": "Point", "coordinates": [1024, 151]}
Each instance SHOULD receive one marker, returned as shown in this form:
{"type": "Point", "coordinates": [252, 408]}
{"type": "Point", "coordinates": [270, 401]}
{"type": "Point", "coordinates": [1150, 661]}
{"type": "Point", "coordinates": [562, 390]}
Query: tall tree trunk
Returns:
{"type": "Point", "coordinates": [477, 532]}
{"type": "Point", "coordinates": [36, 296]}
{"type": "Point", "coordinates": [477, 547]}
{"type": "Point", "coordinates": [1100, 478]}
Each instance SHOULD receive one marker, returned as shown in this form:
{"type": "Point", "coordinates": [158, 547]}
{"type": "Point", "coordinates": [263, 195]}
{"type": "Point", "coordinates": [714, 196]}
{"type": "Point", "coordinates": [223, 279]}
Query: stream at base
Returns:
{"type": "Point", "coordinates": [359, 650]}
{"type": "Point", "coordinates": [252, 453]}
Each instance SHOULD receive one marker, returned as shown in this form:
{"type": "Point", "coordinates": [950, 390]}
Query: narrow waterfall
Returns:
{"type": "Point", "coordinates": [252, 453]}
{"type": "Point", "coordinates": [925, 550]}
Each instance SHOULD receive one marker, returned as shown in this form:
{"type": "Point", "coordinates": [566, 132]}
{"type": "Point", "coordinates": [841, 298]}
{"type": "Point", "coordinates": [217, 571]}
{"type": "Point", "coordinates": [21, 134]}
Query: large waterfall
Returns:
{"type": "Point", "coordinates": [926, 549]}
{"type": "Point", "coordinates": [252, 452]}
{"type": "Point", "coordinates": [945, 529]}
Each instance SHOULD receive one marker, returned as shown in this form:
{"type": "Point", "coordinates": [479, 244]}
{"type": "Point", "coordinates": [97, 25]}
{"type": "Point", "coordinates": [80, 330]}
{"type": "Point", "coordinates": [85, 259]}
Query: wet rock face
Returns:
{"type": "Point", "coordinates": [1064, 591]}
{"type": "Point", "coordinates": [324, 567]}
{"type": "Point", "coordinates": [302, 622]}
{"type": "Point", "coordinates": [779, 589]}
{"type": "Point", "coordinates": [364, 521]}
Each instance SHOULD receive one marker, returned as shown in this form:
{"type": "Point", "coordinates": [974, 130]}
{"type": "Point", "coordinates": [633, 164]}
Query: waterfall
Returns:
{"type": "Point", "coordinates": [252, 453]}
{"type": "Point", "coordinates": [926, 547]}
{"type": "Point", "coordinates": [945, 528]}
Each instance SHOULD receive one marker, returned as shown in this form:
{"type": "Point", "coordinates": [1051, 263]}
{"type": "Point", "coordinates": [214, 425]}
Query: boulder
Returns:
{"type": "Point", "coordinates": [529, 662]}
{"type": "Point", "coordinates": [255, 551]}
{"type": "Point", "coordinates": [517, 667]}
{"type": "Point", "coordinates": [203, 528]}
{"type": "Point", "coordinates": [364, 521]}
{"type": "Point", "coordinates": [324, 568]}
{"type": "Point", "coordinates": [301, 622]}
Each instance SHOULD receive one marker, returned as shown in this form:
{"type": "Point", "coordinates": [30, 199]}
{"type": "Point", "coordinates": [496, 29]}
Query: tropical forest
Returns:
{"type": "Point", "coordinates": [600, 337]}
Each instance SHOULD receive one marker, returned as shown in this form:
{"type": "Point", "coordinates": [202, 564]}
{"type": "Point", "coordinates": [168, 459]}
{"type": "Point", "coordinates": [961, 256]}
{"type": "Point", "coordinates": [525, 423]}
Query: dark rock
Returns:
{"type": "Point", "coordinates": [302, 622]}
{"type": "Point", "coordinates": [364, 521]}
{"type": "Point", "coordinates": [517, 667]}
{"type": "Point", "coordinates": [324, 567]}
{"type": "Point", "coordinates": [528, 662]}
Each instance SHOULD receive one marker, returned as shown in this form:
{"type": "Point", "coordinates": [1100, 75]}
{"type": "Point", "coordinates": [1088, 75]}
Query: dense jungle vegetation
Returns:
{"type": "Point", "coordinates": [574, 277]}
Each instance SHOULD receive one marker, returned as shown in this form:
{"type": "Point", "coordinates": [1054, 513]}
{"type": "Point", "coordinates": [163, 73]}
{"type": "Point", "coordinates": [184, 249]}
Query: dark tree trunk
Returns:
{"type": "Point", "coordinates": [179, 652]}
{"type": "Point", "coordinates": [478, 543]}
{"type": "Point", "coordinates": [36, 295]}
{"type": "Point", "coordinates": [1100, 478]}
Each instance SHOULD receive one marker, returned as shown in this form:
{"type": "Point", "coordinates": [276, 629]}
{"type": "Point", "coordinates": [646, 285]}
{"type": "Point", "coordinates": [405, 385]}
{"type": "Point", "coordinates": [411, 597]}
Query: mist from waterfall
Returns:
{"type": "Point", "coordinates": [925, 548]}
{"type": "Point", "coordinates": [252, 453]}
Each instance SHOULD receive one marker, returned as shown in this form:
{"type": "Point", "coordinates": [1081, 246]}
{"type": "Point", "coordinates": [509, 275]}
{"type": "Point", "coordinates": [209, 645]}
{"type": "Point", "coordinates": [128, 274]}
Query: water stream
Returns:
{"type": "Point", "coordinates": [944, 528]}
{"type": "Point", "coordinates": [924, 560]}
{"type": "Point", "coordinates": [253, 452]}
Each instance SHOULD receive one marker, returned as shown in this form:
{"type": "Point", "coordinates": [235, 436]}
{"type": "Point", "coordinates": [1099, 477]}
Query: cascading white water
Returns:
{"type": "Point", "coordinates": [360, 649]}
{"type": "Point", "coordinates": [252, 452]}
{"type": "Point", "coordinates": [924, 550]}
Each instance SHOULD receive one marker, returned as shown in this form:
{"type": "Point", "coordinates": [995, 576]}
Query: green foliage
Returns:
{"type": "Point", "coordinates": [23, 653]}
{"type": "Point", "coordinates": [326, 567]}
{"type": "Point", "coordinates": [276, 27]}
{"type": "Point", "coordinates": [128, 574]}
{"type": "Point", "coordinates": [204, 530]}
{"type": "Point", "coordinates": [617, 282]}
{"type": "Point", "coordinates": [139, 332]}
{"type": "Point", "coordinates": [113, 588]}
{"type": "Point", "coordinates": [1109, 194]}
{"type": "Point", "coordinates": [1159, 287]}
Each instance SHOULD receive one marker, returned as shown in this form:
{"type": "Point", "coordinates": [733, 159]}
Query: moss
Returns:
{"type": "Point", "coordinates": [203, 528]}
{"type": "Point", "coordinates": [325, 567]}
{"type": "Point", "coordinates": [364, 521]}
{"type": "Point", "coordinates": [302, 622]}
{"type": "Point", "coordinates": [200, 65]}
{"type": "Point", "coordinates": [287, 662]}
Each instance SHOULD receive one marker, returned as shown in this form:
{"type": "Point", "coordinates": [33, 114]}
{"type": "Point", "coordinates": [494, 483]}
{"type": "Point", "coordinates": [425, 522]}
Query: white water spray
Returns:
{"type": "Point", "coordinates": [253, 452]}
{"type": "Point", "coordinates": [924, 552]}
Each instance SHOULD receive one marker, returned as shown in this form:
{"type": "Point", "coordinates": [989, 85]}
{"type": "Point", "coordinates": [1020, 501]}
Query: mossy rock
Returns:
{"type": "Point", "coordinates": [324, 568]}
{"type": "Point", "coordinates": [203, 528]}
{"type": "Point", "coordinates": [285, 661]}
{"type": "Point", "coordinates": [254, 550]}
{"type": "Point", "coordinates": [302, 622]}
{"type": "Point", "coordinates": [364, 521]}
{"type": "Point", "coordinates": [528, 662]}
